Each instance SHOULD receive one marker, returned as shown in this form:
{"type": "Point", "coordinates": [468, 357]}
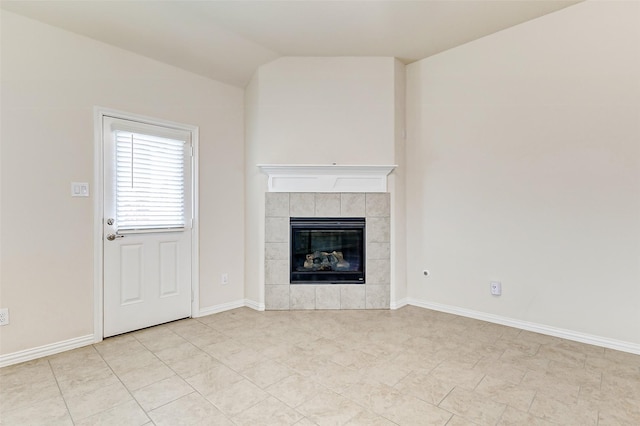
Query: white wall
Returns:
{"type": "Point", "coordinates": [314, 111]}
{"type": "Point", "coordinates": [523, 159]}
{"type": "Point", "coordinates": [51, 80]}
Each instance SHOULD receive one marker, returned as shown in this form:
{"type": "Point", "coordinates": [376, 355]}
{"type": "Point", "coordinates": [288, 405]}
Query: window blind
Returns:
{"type": "Point", "coordinates": [150, 191]}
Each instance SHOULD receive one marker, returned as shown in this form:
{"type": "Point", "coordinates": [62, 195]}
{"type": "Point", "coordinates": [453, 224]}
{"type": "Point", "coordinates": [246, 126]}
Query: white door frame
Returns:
{"type": "Point", "coordinates": [98, 212]}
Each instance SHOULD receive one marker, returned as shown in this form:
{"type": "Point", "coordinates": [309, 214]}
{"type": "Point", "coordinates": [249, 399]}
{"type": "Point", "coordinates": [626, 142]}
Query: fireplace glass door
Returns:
{"type": "Point", "coordinates": [327, 250]}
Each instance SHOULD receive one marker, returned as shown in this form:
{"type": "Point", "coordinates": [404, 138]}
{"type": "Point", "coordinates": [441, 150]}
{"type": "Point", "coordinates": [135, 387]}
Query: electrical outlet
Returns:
{"type": "Point", "coordinates": [224, 279]}
{"type": "Point", "coordinates": [496, 288]}
{"type": "Point", "coordinates": [4, 316]}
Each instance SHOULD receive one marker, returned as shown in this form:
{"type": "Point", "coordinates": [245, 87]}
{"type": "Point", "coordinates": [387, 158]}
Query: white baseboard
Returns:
{"type": "Point", "coordinates": [399, 303]}
{"type": "Point", "coordinates": [46, 350]}
{"type": "Point", "coordinates": [605, 342]}
{"type": "Point", "coordinates": [254, 305]}
{"type": "Point", "coordinates": [216, 309]}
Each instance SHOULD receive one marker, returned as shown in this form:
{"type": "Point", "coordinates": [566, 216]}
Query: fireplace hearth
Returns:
{"type": "Point", "coordinates": [327, 250]}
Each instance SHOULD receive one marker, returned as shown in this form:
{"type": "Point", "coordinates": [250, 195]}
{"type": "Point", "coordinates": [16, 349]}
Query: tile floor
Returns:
{"type": "Point", "coordinates": [407, 367]}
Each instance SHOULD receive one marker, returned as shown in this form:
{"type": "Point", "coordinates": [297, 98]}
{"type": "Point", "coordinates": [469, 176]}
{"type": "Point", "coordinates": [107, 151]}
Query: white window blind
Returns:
{"type": "Point", "coordinates": [150, 182]}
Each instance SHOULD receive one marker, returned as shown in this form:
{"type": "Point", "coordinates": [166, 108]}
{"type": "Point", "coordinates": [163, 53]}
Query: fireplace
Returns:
{"type": "Point", "coordinates": [374, 208]}
{"type": "Point", "coordinates": [327, 250]}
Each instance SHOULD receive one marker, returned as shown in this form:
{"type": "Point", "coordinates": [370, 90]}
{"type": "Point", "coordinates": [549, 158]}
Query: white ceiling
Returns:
{"type": "Point", "coordinates": [228, 40]}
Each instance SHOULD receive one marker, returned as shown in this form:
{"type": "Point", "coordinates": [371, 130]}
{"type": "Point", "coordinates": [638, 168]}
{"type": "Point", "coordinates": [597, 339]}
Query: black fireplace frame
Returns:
{"type": "Point", "coordinates": [328, 224]}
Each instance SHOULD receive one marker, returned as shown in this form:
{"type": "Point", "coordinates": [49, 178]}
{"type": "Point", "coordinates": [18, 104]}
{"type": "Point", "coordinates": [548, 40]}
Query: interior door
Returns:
{"type": "Point", "coordinates": [147, 220]}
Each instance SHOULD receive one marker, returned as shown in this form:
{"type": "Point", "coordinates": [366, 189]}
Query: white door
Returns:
{"type": "Point", "coordinates": [147, 222]}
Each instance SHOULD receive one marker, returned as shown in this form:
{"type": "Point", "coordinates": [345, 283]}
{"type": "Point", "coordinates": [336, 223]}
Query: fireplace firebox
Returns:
{"type": "Point", "coordinates": [327, 250]}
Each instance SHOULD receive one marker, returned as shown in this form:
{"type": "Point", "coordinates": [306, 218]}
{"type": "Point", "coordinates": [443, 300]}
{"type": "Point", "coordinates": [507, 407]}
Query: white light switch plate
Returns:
{"type": "Point", "coordinates": [79, 189]}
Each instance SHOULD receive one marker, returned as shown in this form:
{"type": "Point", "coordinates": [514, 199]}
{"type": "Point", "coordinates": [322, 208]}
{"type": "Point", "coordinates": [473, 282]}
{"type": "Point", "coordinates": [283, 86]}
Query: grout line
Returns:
{"type": "Point", "coordinates": [64, 399]}
{"type": "Point", "coordinates": [122, 383]}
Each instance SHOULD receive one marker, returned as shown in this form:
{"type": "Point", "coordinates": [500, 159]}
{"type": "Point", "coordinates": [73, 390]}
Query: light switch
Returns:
{"type": "Point", "coordinates": [79, 189]}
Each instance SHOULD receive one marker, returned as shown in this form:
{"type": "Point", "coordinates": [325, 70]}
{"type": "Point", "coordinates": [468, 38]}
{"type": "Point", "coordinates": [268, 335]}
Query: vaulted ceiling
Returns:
{"type": "Point", "coordinates": [228, 40]}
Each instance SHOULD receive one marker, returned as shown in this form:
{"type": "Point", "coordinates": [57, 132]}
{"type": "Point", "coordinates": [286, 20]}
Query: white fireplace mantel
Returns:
{"type": "Point", "coordinates": [326, 178]}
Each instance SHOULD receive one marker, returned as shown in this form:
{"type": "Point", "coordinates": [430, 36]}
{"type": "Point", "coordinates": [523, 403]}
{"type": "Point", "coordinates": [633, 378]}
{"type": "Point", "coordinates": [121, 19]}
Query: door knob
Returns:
{"type": "Point", "coordinates": [112, 237]}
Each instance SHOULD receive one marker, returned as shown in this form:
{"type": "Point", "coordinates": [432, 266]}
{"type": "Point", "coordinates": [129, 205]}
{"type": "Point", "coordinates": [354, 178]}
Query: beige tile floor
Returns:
{"type": "Point", "coordinates": [407, 367]}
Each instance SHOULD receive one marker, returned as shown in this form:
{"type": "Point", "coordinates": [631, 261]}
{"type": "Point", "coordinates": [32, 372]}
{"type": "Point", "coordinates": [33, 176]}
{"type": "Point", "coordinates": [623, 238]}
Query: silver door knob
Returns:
{"type": "Point", "coordinates": [112, 237]}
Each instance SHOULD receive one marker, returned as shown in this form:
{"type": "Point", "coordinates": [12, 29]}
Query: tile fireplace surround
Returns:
{"type": "Point", "coordinates": [281, 295]}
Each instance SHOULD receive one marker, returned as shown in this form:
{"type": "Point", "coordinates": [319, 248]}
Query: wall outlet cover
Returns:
{"type": "Point", "coordinates": [4, 316]}
{"type": "Point", "coordinates": [79, 189]}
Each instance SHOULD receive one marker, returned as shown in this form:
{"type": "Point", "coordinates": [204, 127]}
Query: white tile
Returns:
{"type": "Point", "coordinates": [48, 411]}
{"type": "Point", "coordinates": [276, 272]}
{"type": "Point", "coordinates": [302, 204]}
{"type": "Point", "coordinates": [378, 272]}
{"type": "Point", "coordinates": [276, 204]}
{"type": "Point", "coordinates": [329, 408]}
{"type": "Point", "coordinates": [328, 296]}
{"type": "Point", "coordinates": [352, 205]}
{"type": "Point", "coordinates": [237, 397]}
{"type": "Point", "coordinates": [162, 392]}
{"type": "Point", "coordinates": [327, 205]}
{"type": "Point", "coordinates": [295, 390]}
{"type": "Point", "coordinates": [377, 296]}
{"type": "Point", "coordinates": [276, 251]}
{"type": "Point", "coordinates": [276, 297]}
{"type": "Point", "coordinates": [378, 230]}
{"type": "Point", "coordinates": [266, 372]}
{"type": "Point", "coordinates": [128, 413]}
{"type": "Point", "coordinates": [352, 296]}
{"type": "Point", "coordinates": [268, 412]}
{"type": "Point", "coordinates": [191, 409]}
{"type": "Point", "coordinates": [94, 402]}
{"type": "Point", "coordinates": [378, 250]}
{"type": "Point", "coordinates": [214, 380]}
{"type": "Point", "coordinates": [303, 296]}
{"type": "Point", "coordinates": [276, 230]}
{"type": "Point", "coordinates": [378, 204]}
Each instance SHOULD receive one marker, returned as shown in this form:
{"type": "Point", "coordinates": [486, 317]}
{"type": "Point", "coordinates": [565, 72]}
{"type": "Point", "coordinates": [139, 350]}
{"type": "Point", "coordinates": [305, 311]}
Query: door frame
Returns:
{"type": "Point", "coordinates": [98, 211]}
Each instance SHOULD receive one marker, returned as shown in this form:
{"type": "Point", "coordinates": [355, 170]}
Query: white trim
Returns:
{"type": "Point", "coordinates": [98, 193]}
{"type": "Point", "coordinates": [254, 305]}
{"type": "Point", "coordinates": [326, 178]}
{"type": "Point", "coordinates": [45, 350]}
{"type": "Point", "coordinates": [591, 339]}
{"type": "Point", "coordinates": [399, 303]}
{"type": "Point", "coordinates": [195, 224]}
{"type": "Point", "coordinates": [216, 309]}
{"type": "Point", "coordinates": [98, 209]}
